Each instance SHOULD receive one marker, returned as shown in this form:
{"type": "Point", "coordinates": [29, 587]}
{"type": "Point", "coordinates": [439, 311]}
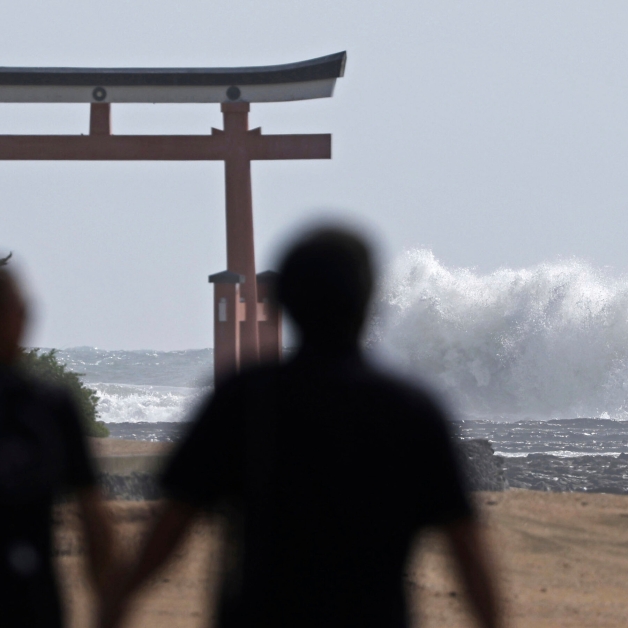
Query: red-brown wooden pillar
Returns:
{"type": "Point", "coordinates": [240, 242]}
{"type": "Point", "coordinates": [269, 318]}
{"type": "Point", "coordinates": [229, 315]}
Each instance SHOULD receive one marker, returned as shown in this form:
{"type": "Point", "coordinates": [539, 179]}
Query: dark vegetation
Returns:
{"type": "Point", "coordinates": [45, 366]}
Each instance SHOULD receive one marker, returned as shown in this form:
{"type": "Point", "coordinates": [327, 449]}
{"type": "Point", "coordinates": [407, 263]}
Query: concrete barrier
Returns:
{"type": "Point", "coordinates": [127, 465]}
{"type": "Point", "coordinates": [131, 477]}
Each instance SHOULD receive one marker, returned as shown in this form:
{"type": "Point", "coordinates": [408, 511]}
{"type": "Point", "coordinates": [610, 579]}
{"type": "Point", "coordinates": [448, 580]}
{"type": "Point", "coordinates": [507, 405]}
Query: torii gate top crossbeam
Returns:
{"type": "Point", "coordinates": [293, 81]}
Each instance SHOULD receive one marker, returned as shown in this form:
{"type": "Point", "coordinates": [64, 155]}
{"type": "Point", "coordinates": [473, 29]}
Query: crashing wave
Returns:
{"type": "Point", "coordinates": [548, 341]}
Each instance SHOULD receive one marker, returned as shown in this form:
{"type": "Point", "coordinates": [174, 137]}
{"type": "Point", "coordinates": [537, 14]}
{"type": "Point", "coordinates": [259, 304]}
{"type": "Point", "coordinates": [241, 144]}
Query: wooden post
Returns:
{"type": "Point", "coordinates": [100, 119]}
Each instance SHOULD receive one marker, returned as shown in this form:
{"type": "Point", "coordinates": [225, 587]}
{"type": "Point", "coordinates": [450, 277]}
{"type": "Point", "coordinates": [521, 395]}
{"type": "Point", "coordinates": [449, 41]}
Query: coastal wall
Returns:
{"type": "Point", "coordinates": [131, 477]}
{"type": "Point", "coordinates": [135, 476]}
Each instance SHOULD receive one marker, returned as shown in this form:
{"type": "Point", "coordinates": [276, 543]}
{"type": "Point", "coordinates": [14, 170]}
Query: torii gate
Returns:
{"type": "Point", "coordinates": [245, 326]}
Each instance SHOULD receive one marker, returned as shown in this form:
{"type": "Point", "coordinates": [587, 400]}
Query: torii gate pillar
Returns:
{"type": "Point", "coordinates": [259, 334]}
{"type": "Point", "coordinates": [240, 240]}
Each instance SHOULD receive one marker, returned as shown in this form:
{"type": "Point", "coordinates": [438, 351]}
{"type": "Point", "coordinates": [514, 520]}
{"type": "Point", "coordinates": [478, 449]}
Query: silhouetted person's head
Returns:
{"type": "Point", "coordinates": [12, 317]}
{"type": "Point", "coordinates": [325, 283]}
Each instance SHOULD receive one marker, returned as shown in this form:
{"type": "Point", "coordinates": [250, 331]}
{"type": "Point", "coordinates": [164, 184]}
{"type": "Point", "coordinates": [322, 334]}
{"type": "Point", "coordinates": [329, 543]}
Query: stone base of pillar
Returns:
{"type": "Point", "coordinates": [269, 318]}
{"type": "Point", "coordinates": [229, 312]}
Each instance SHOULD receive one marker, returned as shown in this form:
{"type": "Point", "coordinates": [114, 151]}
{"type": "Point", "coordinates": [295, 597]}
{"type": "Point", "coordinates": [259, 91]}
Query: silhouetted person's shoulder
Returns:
{"type": "Point", "coordinates": [322, 406]}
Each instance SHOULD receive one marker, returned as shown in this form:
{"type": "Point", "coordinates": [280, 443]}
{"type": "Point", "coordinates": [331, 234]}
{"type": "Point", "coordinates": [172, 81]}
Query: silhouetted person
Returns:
{"type": "Point", "coordinates": [42, 452]}
{"type": "Point", "coordinates": [328, 468]}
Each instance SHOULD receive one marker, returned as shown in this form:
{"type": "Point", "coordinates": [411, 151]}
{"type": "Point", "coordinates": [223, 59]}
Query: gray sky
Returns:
{"type": "Point", "coordinates": [493, 132]}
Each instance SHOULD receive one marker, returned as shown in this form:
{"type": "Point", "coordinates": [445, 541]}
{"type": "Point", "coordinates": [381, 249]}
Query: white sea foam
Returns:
{"type": "Point", "coordinates": [548, 341]}
{"type": "Point", "coordinates": [559, 453]}
{"type": "Point", "coordinates": [122, 403]}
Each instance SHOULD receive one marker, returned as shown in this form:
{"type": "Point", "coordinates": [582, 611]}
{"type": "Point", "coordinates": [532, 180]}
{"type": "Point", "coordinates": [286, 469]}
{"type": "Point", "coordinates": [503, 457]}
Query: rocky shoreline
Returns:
{"type": "Point", "coordinates": [543, 472]}
{"type": "Point", "coordinates": [587, 474]}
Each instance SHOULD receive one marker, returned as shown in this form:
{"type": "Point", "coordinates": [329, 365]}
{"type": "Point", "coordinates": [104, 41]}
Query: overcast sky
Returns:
{"type": "Point", "coordinates": [493, 133]}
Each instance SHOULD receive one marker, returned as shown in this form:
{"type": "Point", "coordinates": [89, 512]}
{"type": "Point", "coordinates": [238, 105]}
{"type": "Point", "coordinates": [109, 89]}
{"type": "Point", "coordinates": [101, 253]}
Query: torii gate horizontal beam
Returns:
{"type": "Point", "coordinates": [161, 147]}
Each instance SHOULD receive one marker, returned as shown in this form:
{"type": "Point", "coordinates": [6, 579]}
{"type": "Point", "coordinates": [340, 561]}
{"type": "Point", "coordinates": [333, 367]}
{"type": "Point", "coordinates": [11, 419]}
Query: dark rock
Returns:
{"type": "Point", "coordinates": [483, 470]}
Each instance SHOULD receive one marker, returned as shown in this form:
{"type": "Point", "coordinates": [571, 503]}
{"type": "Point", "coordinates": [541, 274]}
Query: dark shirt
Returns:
{"type": "Point", "coordinates": [333, 468]}
{"type": "Point", "coordinates": [42, 452]}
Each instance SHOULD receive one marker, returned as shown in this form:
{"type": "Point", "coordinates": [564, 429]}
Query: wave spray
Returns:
{"type": "Point", "coordinates": [546, 342]}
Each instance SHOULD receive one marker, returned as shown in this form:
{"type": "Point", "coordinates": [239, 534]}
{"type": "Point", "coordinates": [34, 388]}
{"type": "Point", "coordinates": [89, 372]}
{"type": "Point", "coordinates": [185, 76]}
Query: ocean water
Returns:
{"type": "Point", "coordinates": [535, 359]}
{"type": "Point", "coordinates": [137, 387]}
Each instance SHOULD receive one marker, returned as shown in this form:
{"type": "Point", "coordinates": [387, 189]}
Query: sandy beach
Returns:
{"type": "Point", "coordinates": [562, 558]}
{"type": "Point", "coordinates": [114, 447]}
